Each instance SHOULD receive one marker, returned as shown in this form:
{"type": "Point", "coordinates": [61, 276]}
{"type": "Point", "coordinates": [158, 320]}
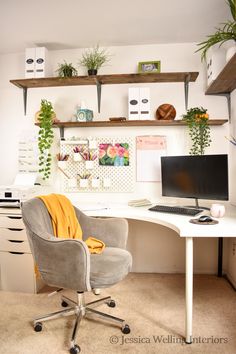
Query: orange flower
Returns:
{"type": "Point", "coordinates": [126, 153]}
{"type": "Point", "coordinates": [112, 151]}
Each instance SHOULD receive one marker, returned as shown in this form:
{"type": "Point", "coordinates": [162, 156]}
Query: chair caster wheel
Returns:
{"type": "Point", "coordinates": [75, 349]}
{"type": "Point", "coordinates": [96, 291]}
{"type": "Point", "coordinates": [111, 303]}
{"type": "Point", "coordinates": [64, 304]}
{"type": "Point", "coordinates": [125, 329]}
{"type": "Point", "coordinates": [38, 327]}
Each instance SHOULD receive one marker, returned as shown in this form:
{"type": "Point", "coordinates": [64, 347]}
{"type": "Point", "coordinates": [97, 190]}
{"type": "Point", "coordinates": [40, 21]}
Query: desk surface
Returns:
{"type": "Point", "coordinates": [179, 223]}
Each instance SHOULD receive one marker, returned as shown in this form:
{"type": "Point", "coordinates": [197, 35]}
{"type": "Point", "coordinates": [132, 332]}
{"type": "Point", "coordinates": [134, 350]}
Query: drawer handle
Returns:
{"type": "Point", "coordinates": [16, 252]}
{"type": "Point", "coordinates": [16, 241]}
{"type": "Point", "coordinates": [14, 217]}
{"type": "Point", "coordinates": [11, 229]}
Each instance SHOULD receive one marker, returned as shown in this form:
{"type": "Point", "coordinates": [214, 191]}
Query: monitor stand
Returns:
{"type": "Point", "coordinates": [197, 205]}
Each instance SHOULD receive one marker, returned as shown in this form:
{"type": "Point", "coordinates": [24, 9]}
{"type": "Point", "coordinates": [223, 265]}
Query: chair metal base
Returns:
{"type": "Point", "coordinates": [80, 309]}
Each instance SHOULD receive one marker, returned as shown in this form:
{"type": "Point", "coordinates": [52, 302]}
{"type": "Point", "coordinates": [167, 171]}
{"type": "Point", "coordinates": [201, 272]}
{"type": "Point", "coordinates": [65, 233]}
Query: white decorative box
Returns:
{"type": "Point", "coordinates": [42, 65]}
{"type": "Point", "coordinates": [30, 63]}
{"type": "Point", "coordinates": [134, 107]}
{"type": "Point", "coordinates": [216, 60]}
{"type": "Point", "coordinates": [144, 102]}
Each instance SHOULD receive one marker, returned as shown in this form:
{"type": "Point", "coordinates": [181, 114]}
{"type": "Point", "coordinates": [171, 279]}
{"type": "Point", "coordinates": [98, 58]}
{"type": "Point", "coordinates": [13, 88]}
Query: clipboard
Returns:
{"type": "Point", "coordinates": [149, 150]}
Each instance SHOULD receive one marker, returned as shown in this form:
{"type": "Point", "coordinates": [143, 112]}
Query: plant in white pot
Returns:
{"type": "Point", "coordinates": [223, 34]}
{"type": "Point", "coordinates": [93, 59]}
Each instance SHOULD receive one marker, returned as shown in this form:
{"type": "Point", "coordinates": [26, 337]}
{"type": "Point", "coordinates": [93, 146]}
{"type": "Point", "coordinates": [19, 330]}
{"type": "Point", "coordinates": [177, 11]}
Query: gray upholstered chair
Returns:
{"type": "Point", "coordinates": [67, 263]}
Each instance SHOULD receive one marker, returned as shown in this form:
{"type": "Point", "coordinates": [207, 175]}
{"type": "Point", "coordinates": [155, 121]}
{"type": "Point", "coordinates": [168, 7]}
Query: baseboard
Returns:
{"type": "Point", "coordinates": [230, 280]}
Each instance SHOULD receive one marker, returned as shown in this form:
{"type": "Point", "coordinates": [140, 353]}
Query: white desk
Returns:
{"type": "Point", "coordinates": [225, 228]}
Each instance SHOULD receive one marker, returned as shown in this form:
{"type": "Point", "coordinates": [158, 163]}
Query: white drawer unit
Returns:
{"type": "Point", "coordinates": [13, 234]}
{"type": "Point", "coordinates": [11, 221]}
{"type": "Point", "coordinates": [16, 262]}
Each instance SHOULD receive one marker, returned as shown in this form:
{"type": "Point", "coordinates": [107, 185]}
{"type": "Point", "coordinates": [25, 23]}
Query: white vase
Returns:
{"type": "Point", "coordinates": [89, 165]}
{"type": "Point", "coordinates": [217, 210]}
{"type": "Point", "coordinates": [230, 52]}
{"type": "Point", "coordinates": [83, 182]}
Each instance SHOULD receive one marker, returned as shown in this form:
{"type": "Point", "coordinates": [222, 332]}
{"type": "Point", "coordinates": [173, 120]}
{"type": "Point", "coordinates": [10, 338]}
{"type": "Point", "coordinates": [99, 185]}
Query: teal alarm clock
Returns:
{"type": "Point", "coordinates": [84, 115]}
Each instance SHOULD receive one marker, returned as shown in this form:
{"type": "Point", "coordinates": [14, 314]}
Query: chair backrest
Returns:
{"type": "Point", "coordinates": [62, 263]}
{"type": "Point", "coordinates": [36, 216]}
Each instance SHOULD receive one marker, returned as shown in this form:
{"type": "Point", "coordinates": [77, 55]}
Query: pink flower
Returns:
{"type": "Point", "coordinates": [121, 151]}
{"type": "Point", "coordinates": [103, 146]}
{"type": "Point", "coordinates": [102, 153]}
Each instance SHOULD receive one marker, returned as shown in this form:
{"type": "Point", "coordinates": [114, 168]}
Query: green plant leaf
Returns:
{"type": "Point", "coordinates": [45, 137]}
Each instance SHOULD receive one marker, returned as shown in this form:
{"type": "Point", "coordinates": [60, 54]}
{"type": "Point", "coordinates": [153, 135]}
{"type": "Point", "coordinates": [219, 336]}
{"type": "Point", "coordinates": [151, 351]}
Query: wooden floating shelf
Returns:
{"type": "Point", "coordinates": [131, 123]}
{"type": "Point", "coordinates": [225, 81]}
{"type": "Point", "coordinates": [106, 79]}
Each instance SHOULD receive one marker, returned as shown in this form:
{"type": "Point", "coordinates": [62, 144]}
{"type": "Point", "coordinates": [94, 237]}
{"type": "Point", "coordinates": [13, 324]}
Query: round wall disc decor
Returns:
{"type": "Point", "coordinates": [166, 111]}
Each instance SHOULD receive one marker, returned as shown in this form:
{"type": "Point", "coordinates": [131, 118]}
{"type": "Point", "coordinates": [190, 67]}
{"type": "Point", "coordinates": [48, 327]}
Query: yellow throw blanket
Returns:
{"type": "Point", "coordinates": [65, 223]}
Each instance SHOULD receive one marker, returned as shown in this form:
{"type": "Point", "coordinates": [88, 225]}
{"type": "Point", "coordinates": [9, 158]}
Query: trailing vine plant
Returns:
{"type": "Point", "coordinates": [199, 129]}
{"type": "Point", "coordinates": [45, 138]}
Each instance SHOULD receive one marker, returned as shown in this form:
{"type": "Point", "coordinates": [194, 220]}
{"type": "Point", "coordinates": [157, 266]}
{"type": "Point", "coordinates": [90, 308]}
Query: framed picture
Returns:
{"type": "Point", "coordinates": [149, 67]}
{"type": "Point", "coordinates": [114, 155]}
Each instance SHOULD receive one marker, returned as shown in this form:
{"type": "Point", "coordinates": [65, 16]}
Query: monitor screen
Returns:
{"type": "Point", "coordinates": [203, 177]}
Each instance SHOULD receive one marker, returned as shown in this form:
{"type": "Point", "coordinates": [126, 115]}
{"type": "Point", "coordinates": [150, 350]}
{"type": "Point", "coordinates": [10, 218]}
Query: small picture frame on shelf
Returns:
{"type": "Point", "coordinates": [145, 67]}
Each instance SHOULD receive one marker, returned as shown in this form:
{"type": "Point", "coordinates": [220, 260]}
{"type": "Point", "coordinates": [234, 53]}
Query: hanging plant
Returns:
{"type": "Point", "coordinates": [45, 138]}
{"type": "Point", "coordinates": [199, 129]}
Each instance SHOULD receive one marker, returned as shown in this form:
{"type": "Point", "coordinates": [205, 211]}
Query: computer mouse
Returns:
{"type": "Point", "coordinates": [205, 218]}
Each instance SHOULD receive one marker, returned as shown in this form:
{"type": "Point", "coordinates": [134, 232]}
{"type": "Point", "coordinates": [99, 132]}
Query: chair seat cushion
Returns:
{"type": "Point", "coordinates": [109, 267]}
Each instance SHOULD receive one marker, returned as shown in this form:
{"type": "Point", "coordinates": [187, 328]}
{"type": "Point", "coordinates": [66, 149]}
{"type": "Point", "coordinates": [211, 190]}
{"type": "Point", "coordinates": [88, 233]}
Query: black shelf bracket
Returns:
{"type": "Point", "coordinates": [99, 94]}
{"type": "Point", "coordinates": [62, 132]}
{"type": "Point", "coordinates": [25, 99]}
{"type": "Point", "coordinates": [186, 88]}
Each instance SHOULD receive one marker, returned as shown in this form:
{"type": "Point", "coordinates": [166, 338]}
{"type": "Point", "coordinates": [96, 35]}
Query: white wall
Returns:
{"type": "Point", "coordinates": [231, 268]}
{"type": "Point", "coordinates": [174, 57]}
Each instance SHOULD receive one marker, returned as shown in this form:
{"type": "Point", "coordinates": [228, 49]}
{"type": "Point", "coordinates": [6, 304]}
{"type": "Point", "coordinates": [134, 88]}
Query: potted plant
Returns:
{"type": "Point", "coordinates": [199, 130]}
{"type": "Point", "coordinates": [93, 59]}
{"type": "Point", "coordinates": [66, 70]}
{"type": "Point", "coordinates": [45, 138]}
{"type": "Point", "coordinates": [224, 33]}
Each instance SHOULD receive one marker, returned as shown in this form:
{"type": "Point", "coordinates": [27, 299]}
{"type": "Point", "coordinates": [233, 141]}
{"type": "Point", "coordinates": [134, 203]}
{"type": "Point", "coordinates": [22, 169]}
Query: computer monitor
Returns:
{"type": "Point", "coordinates": [199, 177]}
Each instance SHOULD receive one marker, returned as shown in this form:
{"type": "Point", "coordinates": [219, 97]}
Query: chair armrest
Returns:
{"type": "Point", "coordinates": [63, 263]}
{"type": "Point", "coordinates": [112, 231]}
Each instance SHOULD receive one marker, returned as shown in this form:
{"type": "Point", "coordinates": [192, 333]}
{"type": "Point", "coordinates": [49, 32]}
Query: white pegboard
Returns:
{"type": "Point", "coordinates": [122, 178]}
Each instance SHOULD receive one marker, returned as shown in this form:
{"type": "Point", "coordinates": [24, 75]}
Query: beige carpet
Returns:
{"type": "Point", "coordinates": [152, 304]}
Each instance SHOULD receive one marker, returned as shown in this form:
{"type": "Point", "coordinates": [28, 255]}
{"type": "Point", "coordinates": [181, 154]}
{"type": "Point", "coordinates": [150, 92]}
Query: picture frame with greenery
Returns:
{"type": "Point", "coordinates": [66, 70]}
{"type": "Point", "coordinates": [93, 59]}
{"type": "Point", "coordinates": [199, 129]}
{"type": "Point", "coordinates": [45, 138]}
{"type": "Point", "coordinates": [146, 67]}
{"type": "Point", "coordinates": [223, 34]}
